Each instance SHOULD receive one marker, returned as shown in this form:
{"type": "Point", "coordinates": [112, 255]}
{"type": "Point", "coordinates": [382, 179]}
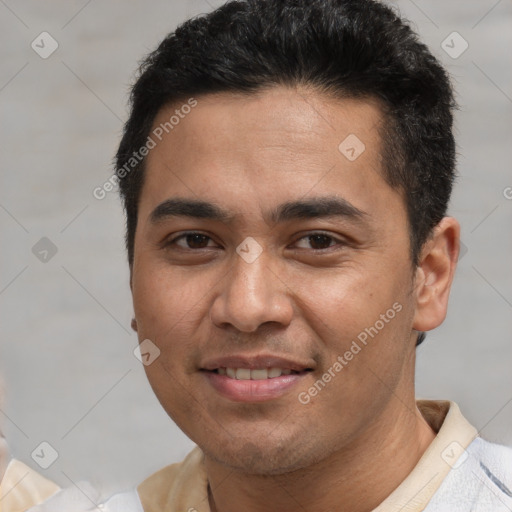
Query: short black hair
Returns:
{"type": "Point", "coordinates": [344, 48]}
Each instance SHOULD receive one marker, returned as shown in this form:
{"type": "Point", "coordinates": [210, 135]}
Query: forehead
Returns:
{"type": "Point", "coordinates": [277, 145]}
{"type": "Point", "coordinates": [274, 118]}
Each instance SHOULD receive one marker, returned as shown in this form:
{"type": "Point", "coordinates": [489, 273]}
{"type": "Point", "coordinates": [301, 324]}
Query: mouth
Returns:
{"type": "Point", "coordinates": [254, 379]}
{"type": "Point", "coordinates": [256, 373]}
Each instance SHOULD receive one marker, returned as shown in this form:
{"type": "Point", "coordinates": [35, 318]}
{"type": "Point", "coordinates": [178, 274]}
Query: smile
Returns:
{"type": "Point", "coordinates": [253, 385]}
{"type": "Point", "coordinates": [254, 374]}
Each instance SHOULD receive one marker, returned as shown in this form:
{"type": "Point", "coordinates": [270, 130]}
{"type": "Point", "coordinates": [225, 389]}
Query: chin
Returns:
{"type": "Point", "coordinates": [264, 460]}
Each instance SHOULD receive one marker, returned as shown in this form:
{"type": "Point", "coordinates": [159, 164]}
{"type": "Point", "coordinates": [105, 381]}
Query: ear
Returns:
{"type": "Point", "coordinates": [434, 275]}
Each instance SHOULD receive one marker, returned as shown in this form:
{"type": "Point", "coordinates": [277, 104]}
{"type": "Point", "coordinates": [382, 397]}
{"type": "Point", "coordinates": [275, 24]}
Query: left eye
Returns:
{"type": "Point", "coordinates": [317, 241]}
{"type": "Point", "coordinates": [192, 241]}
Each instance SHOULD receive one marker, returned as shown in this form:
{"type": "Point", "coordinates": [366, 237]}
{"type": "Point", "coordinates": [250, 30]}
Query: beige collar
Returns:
{"type": "Point", "coordinates": [454, 434]}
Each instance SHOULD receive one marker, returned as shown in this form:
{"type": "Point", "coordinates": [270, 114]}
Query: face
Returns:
{"type": "Point", "coordinates": [272, 271]}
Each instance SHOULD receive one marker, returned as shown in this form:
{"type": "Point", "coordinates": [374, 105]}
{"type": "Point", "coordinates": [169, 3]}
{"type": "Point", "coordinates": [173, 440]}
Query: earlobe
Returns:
{"type": "Point", "coordinates": [134, 324]}
{"type": "Point", "coordinates": [434, 274]}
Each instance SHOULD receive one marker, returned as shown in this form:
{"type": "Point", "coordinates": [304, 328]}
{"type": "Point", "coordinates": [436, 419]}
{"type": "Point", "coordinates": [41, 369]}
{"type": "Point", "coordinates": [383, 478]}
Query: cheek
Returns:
{"type": "Point", "coordinates": [363, 362]}
{"type": "Point", "coordinates": [363, 317]}
{"type": "Point", "coordinates": [345, 301]}
{"type": "Point", "coordinates": [168, 309]}
{"type": "Point", "coordinates": [163, 299]}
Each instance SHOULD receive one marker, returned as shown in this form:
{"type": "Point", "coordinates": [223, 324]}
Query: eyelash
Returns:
{"type": "Point", "coordinates": [337, 241]}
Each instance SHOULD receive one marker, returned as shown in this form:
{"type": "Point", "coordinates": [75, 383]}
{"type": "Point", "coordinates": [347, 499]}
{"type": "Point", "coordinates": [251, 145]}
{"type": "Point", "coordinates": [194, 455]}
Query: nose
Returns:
{"type": "Point", "coordinates": [251, 295]}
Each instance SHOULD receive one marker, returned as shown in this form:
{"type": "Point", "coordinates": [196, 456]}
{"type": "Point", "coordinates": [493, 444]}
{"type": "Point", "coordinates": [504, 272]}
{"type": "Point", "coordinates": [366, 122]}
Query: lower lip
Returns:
{"type": "Point", "coordinates": [252, 390]}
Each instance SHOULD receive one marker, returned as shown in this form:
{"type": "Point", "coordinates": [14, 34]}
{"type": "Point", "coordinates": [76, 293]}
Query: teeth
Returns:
{"type": "Point", "coordinates": [256, 374]}
{"type": "Point", "coordinates": [243, 374]}
{"type": "Point", "coordinates": [259, 374]}
{"type": "Point", "coordinates": [274, 372]}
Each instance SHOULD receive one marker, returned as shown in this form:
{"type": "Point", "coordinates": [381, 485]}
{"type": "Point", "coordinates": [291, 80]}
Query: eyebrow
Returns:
{"type": "Point", "coordinates": [317, 207]}
{"type": "Point", "coordinates": [192, 208]}
{"type": "Point", "coordinates": [301, 209]}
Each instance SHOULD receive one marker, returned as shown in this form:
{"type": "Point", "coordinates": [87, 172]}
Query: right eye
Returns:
{"type": "Point", "coordinates": [191, 240]}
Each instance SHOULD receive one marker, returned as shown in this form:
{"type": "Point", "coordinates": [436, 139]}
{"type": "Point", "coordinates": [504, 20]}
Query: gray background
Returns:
{"type": "Point", "coordinates": [70, 376]}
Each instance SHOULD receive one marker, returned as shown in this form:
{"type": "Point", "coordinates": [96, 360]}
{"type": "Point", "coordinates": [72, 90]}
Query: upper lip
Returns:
{"type": "Point", "coordinates": [255, 362]}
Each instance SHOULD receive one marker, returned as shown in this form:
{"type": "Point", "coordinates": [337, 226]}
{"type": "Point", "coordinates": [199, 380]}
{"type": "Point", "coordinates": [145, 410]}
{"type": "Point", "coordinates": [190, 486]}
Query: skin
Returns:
{"type": "Point", "coordinates": [362, 434]}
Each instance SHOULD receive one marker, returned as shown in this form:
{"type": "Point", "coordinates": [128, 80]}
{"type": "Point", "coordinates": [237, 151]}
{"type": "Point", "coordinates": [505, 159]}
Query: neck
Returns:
{"type": "Point", "coordinates": [356, 478]}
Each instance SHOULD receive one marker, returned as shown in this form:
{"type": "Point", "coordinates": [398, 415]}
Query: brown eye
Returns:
{"type": "Point", "coordinates": [197, 240]}
{"type": "Point", "coordinates": [191, 240]}
{"type": "Point", "coordinates": [317, 241]}
{"type": "Point", "coordinates": [320, 241]}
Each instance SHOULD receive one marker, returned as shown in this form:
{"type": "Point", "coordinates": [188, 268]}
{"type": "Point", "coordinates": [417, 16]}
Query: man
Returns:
{"type": "Point", "coordinates": [286, 170]}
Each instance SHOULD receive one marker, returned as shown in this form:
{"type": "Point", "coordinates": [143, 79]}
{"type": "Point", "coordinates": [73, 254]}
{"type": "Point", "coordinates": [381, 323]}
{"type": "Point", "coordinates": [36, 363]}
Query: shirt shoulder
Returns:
{"type": "Point", "coordinates": [480, 480]}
